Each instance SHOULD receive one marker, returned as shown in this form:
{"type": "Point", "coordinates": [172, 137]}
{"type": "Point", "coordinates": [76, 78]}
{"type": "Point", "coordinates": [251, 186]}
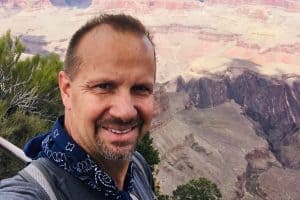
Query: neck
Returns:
{"type": "Point", "coordinates": [117, 170]}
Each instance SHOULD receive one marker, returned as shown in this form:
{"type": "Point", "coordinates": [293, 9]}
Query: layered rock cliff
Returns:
{"type": "Point", "coordinates": [271, 102]}
{"type": "Point", "coordinates": [240, 128]}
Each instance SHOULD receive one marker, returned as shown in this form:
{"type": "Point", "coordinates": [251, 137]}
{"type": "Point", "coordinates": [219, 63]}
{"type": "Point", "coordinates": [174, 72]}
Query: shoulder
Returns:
{"type": "Point", "coordinates": [17, 188]}
{"type": "Point", "coordinates": [139, 159]}
{"type": "Point", "coordinates": [144, 183]}
{"type": "Point", "coordinates": [142, 167]}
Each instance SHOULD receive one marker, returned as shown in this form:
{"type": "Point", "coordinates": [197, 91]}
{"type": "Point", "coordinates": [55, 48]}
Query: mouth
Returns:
{"type": "Point", "coordinates": [120, 131]}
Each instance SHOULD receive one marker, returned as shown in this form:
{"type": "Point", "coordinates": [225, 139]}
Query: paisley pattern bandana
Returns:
{"type": "Point", "coordinates": [60, 148]}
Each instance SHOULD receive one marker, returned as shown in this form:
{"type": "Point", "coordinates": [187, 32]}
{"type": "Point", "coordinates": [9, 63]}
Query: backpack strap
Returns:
{"type": "Point", "coordinates": [36, 172]}
{"type": "Point", "coordinates": [143, 166]}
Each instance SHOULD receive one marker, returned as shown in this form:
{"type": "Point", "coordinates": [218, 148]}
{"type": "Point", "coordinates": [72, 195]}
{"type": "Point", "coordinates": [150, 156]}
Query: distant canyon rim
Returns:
{"type": "Point", "coordinates": [193, 38]}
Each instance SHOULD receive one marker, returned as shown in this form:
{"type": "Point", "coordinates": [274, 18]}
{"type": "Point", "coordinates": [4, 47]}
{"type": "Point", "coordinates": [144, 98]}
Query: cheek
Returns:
{"type": "Point", "coordinates": [147, 108]}
{"type": "Point", "coordinates": [86, 101]}
{"type": "Point", "coordinates": [87, 109]}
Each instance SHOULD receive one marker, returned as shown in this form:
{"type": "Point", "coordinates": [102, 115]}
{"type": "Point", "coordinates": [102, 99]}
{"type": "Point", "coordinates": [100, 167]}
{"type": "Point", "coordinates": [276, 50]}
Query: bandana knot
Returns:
{"type": "Point", "coordinates": [60, 148]}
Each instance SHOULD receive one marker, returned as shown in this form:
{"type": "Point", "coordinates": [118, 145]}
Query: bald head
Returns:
{"type": "Point", "coordinates": [121, 24]}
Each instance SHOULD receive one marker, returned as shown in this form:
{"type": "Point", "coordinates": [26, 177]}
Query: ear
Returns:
{"type": "Point", "coordinates": [64, 83]}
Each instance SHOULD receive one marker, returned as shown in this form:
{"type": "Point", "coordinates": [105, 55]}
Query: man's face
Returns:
{"type": "Point", "coordinates": [109, 102]}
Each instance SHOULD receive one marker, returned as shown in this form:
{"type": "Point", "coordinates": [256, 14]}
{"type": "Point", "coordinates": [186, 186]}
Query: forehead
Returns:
{"type": "Point", "coordinates": [104, 47]}
{"type": "Point", "coordinates": [104, 38]}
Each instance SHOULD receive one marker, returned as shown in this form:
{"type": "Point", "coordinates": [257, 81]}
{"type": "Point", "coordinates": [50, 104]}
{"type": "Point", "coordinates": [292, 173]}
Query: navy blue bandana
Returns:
{"type": "Point", "coordinates": [60, 148]}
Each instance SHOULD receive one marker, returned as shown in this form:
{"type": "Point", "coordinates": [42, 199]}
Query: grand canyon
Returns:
{"type": "Point", "coordinates": [228, 84]}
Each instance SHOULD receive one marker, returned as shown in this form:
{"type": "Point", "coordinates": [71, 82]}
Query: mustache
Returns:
{"type": "Point", "coordinates": [119, 122]}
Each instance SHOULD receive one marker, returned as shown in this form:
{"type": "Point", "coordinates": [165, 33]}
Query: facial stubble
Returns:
{"type": "Point", "coordinates": [116, 151]}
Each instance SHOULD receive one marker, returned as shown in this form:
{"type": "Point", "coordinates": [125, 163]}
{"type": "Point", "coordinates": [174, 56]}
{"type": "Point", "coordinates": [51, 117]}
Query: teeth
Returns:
{"type": "Point", "coordinates": [119, 131]}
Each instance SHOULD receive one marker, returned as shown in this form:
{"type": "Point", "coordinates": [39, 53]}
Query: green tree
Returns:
{"type": "Point", "coordinates": [18, 128]}
{"type": "Point", "coordinates": [146, 148]}
{"type": "Point", "coordinates": [164, 197]}
{"type": "Point", "coordinates": [200, 189]}
{"type": "Point", "coordinates": [29, 98]}
{"type": "Point", "coordinates": [29, 85]}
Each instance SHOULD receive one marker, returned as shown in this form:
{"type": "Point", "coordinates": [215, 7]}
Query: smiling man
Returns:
{"type": "Point", "coordinates": [107, 90]}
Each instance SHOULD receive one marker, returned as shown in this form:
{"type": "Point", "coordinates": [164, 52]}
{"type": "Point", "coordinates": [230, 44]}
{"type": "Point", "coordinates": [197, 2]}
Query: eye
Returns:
{"type": "Point", "coordinates": [104, 87]}
{"type": "Point", "coordinates": [142, 90]}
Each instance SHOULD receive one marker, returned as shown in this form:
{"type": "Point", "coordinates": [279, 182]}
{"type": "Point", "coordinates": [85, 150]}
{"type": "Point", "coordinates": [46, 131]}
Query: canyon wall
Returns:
{"type": "Point", "coordinates": [237, 130]}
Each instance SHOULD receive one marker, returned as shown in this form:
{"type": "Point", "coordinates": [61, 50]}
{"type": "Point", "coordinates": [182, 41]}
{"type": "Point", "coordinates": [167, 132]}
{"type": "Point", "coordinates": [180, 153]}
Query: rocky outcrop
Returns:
{"type": "Point", "coordinates": [296, 92]}
{"type": "Point", "coordinates": [265, 101]}
{"type": "Point", "coordinates": [238, 128]}
{"type": "Point", "coordinates": [206, 92]}
{"type": "Point", "coordinates": [270, 102]}
{"type": "Point", "coordinates": [211, 143]}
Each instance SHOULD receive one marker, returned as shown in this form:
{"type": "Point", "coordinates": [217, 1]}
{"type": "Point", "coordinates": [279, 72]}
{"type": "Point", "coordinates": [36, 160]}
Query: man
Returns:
{"type": "Point", "coordinates": [107, 91]}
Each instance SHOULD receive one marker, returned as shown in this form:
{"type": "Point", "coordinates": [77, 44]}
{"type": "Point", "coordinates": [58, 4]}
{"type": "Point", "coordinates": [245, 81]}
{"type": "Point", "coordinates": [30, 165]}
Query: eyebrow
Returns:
{"type": "Point", "coordinates": [92, 82]}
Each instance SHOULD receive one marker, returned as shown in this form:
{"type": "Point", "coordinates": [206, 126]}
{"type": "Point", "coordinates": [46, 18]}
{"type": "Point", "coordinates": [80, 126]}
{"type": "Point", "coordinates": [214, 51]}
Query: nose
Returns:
{"type": "Point", "coordinates": [123, 107]}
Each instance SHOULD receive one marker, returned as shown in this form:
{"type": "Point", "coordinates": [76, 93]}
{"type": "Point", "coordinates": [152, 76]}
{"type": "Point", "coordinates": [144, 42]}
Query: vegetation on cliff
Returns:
{"type": "Point", "coordinates": [29, 99]}
{"type": "Point", "coordinates": [196, 189]}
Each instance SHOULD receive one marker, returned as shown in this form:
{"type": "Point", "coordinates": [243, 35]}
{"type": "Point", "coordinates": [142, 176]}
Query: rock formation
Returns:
{"type": "Point", "coordinates": [223, 116]}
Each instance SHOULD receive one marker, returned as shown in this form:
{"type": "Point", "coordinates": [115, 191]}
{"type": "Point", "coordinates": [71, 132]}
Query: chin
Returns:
{"type": "Point", "coordinates": [124, 155]}
{"type": "Point", "coordinates": [116, 150]}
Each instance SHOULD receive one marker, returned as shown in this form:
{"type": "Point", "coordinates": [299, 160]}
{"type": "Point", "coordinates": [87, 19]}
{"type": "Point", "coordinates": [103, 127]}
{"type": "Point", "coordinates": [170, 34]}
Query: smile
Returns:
{"type": "Point", "coordinates": [116, 131]}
